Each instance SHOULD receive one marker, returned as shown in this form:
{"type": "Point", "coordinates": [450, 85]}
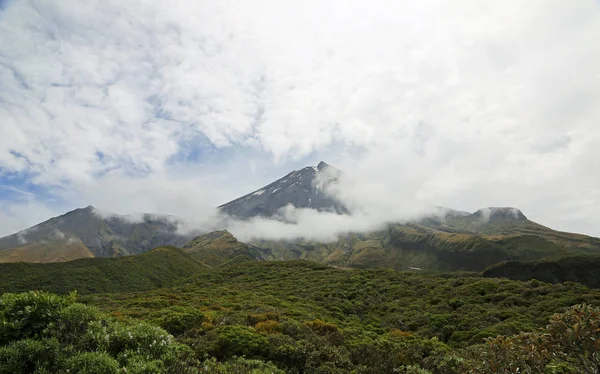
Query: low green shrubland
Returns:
{"type": "Point", "coordinates": [301, 317]}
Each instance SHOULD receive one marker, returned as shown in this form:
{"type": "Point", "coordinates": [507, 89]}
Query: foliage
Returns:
{"type": "Point", "coordinates": [239, 365]}
{"type": "Point", "coordinates": [27, 315]}
{"type": "Point", "coordinates": [581, 269]}
{"type": "Point", "coordinates": [157, 268]}
{"type": "Point", "coordinates": [454, 243]}
{"type": "Point", "coordinates": [569, 344]}
{"type": "Point", "coordinates": [46, 333]}
{"type": "Point", "coordinates": [302, 317]}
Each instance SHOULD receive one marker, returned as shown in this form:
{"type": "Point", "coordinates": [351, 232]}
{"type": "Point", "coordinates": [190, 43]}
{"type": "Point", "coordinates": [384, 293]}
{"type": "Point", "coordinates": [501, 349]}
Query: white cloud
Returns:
{"type": "Point", "coordinates": [465, 105]}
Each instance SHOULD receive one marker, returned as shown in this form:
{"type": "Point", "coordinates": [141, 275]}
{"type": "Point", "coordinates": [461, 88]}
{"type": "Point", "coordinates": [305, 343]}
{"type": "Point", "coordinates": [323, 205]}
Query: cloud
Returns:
{"type": "Point", "coordinates": [307, 224]}
{"type": "Point", "coordinates": [462, 105]}
{"type": "Point", "coordinates": [58, 234]}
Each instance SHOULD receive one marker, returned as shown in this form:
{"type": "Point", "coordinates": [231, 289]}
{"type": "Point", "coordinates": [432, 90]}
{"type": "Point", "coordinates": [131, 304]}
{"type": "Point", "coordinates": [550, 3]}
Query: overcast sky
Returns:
{"type": "Point", "coordinates": [178, 106]}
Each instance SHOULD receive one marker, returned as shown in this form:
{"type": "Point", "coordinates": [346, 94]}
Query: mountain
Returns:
{"type": "Point", "coordinates": [219, 248]}
{"type": "Point", "coordinates": [445, 240]}
{"type": "Point", "coordinates": [156, 268]}
{"type": "Point", "coordinates": [84, 233]}
{"type": "Point", "coordinates": [302, 188]}
{"type": "Point", "coordinates": [449, 241]}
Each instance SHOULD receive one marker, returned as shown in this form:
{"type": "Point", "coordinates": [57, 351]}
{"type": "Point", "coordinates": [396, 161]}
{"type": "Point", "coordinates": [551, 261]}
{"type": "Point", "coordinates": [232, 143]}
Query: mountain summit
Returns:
{"type": "Point", "coordinates": [304, 188]}
{"type": "Point", "coordinates": [85, 232]}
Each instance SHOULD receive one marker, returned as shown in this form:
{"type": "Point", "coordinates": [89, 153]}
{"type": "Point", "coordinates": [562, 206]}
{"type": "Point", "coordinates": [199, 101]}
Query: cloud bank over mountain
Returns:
{"type": "Point", "coordinates": [177, 107]}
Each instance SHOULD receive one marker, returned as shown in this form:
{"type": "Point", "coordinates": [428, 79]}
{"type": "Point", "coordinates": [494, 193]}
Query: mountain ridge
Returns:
{"type": "Point", "coordinates": [92, 234]}
{"type": "Point", "coordinates": [446, 239]}
{"type": "Point", "coordinates": [304, 188]}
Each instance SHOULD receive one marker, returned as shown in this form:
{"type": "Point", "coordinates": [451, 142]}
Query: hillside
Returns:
{"type": "Point", "coordinates": [157, 268]}
{"type": "Point", "coordinates": [219, 248]}
{"type": "Point", "coordinates": [446, 240]}
{"type": "Point", "coordinates": [84, 233]}
{"type": "Point", "coordinates": [307, 317]}
{"type": "Point", "coordinates": [450, 242]}
{"type": "Point", "coordinates": [581, 269]}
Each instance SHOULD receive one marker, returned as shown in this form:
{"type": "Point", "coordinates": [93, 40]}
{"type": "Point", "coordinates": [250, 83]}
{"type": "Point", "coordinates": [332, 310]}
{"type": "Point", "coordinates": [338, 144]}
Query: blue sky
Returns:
{"type": "Point", "coordinates": [176, 107]}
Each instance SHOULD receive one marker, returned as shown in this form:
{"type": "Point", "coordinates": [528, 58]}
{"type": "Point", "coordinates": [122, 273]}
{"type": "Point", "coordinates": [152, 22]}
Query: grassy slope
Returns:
{"type": "Point", "coordinates": [153, 269]}
{"type": "Point", "coordinates": [582, 269]}
{"type": "Point", "coordinates": [459, 309]}
{"type": "Point", "coordinates": [455, 244]}
{"type": "Point", "coordinates": [219, 248]}
{"type": "Point", "coordinates": [47, 251]}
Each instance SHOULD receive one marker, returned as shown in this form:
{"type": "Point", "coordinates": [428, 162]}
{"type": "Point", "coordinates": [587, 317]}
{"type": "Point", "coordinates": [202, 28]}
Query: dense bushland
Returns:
{"type": "Point", "coordinates": [301, 317]}
{"type": "Point", "coordinates": [157, 268]}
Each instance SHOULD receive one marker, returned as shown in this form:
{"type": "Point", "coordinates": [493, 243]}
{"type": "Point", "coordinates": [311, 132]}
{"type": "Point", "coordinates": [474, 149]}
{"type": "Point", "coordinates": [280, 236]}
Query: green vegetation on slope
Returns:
{"type": "Point", "coordinates": [304, 317]}
{"type": "Point", "coordinates": [308, 317]}
{"type": "Point", "coordinates": [581, 269]}
{"type": "Point", "coordinates": [219, 248]}
{"type": "Point", "coordinates": [45, 333]}
{"type": "Point", "coordinates": [458, 309]}
{"type": "Point", "coordinates": [147, 271]}
{"type": "Point", "coordinates": [433, 245]}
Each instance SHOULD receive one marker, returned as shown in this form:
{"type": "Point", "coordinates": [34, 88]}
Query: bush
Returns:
{"type": "Point", "coordinates": [253, 319]}
{"type": "Point", "coordinates": [26, 315]}
{"type": "Point", "coordinates": [570, 343]}
{"type": "Point", "coordinates": [239, 341]}
{"type": "Point", "coordinates": [239, 365]}
{"type": "Point", "coordinates": [28, 356]}
{"type": "Point", "coordinates": [91, 363]}
{"type": "Point", "coordinates": [177, 320]}
{"type": "Point", "coordinates": [321, 327]}
{"type": "Point", "coordinates": [48, 333]}
{"type": "Point", "coordinates": [114, 338]}
{"type": "Point", "coordinates": [72, 322]}
{"type": "Point", "coordinates": [269, 327]}
{"type": "Point", "coordinates": [575, 336]}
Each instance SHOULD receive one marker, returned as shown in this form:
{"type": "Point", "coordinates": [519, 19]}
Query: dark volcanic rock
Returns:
{"type": "Point", "coordinates": [303, 188]}
{"type": "Point", "coordinates": [104, 236]}
{"type": "Point", "coordinates": [500, 214]}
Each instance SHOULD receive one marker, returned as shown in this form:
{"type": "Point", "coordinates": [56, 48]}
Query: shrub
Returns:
{"type": "Point", "coordinates": [253, 319]}
{"type": "Point", "coordinates": [402, 334]}
{"type": "Point", "coordinates": [72, 322]}
{"type": "Point", "coordinates": [91, 363]}
{"type": "Point", "coordinates": [27, 314]}
{"type": "Point", "coordinates": [575, 336]}
{"type": "Point", "coordinates": [28, 356]}
{"type": "Point", "coordinates": [239, 365]}
{"type": "Point", "coordinates": [49, 333]}
{"type": "Point", "coordinates": [146, 340]}
{"type": "Point", "coordinates": [239, 341]}
{"type": "Point", "coordinates": [570, 343]}
{"type": "Point", "coordinates": [321, 327]}
{"type": "Point", "coordinates": [269, 327]}
{"type": "Point", "coordinates": [455, 303]}
{"type": "Point", "coordinates": [177, 320]}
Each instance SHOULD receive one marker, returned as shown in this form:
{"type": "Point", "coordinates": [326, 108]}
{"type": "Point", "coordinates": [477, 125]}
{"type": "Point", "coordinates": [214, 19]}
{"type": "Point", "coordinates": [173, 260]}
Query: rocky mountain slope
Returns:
{"type": "Point", "coordinates": [302, 188]}
{"type": "Point", "coordinates": [85, 233]}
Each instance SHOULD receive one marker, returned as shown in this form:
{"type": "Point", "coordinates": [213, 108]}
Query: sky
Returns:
{"type": "Point", "coordinates": [178, 106]}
